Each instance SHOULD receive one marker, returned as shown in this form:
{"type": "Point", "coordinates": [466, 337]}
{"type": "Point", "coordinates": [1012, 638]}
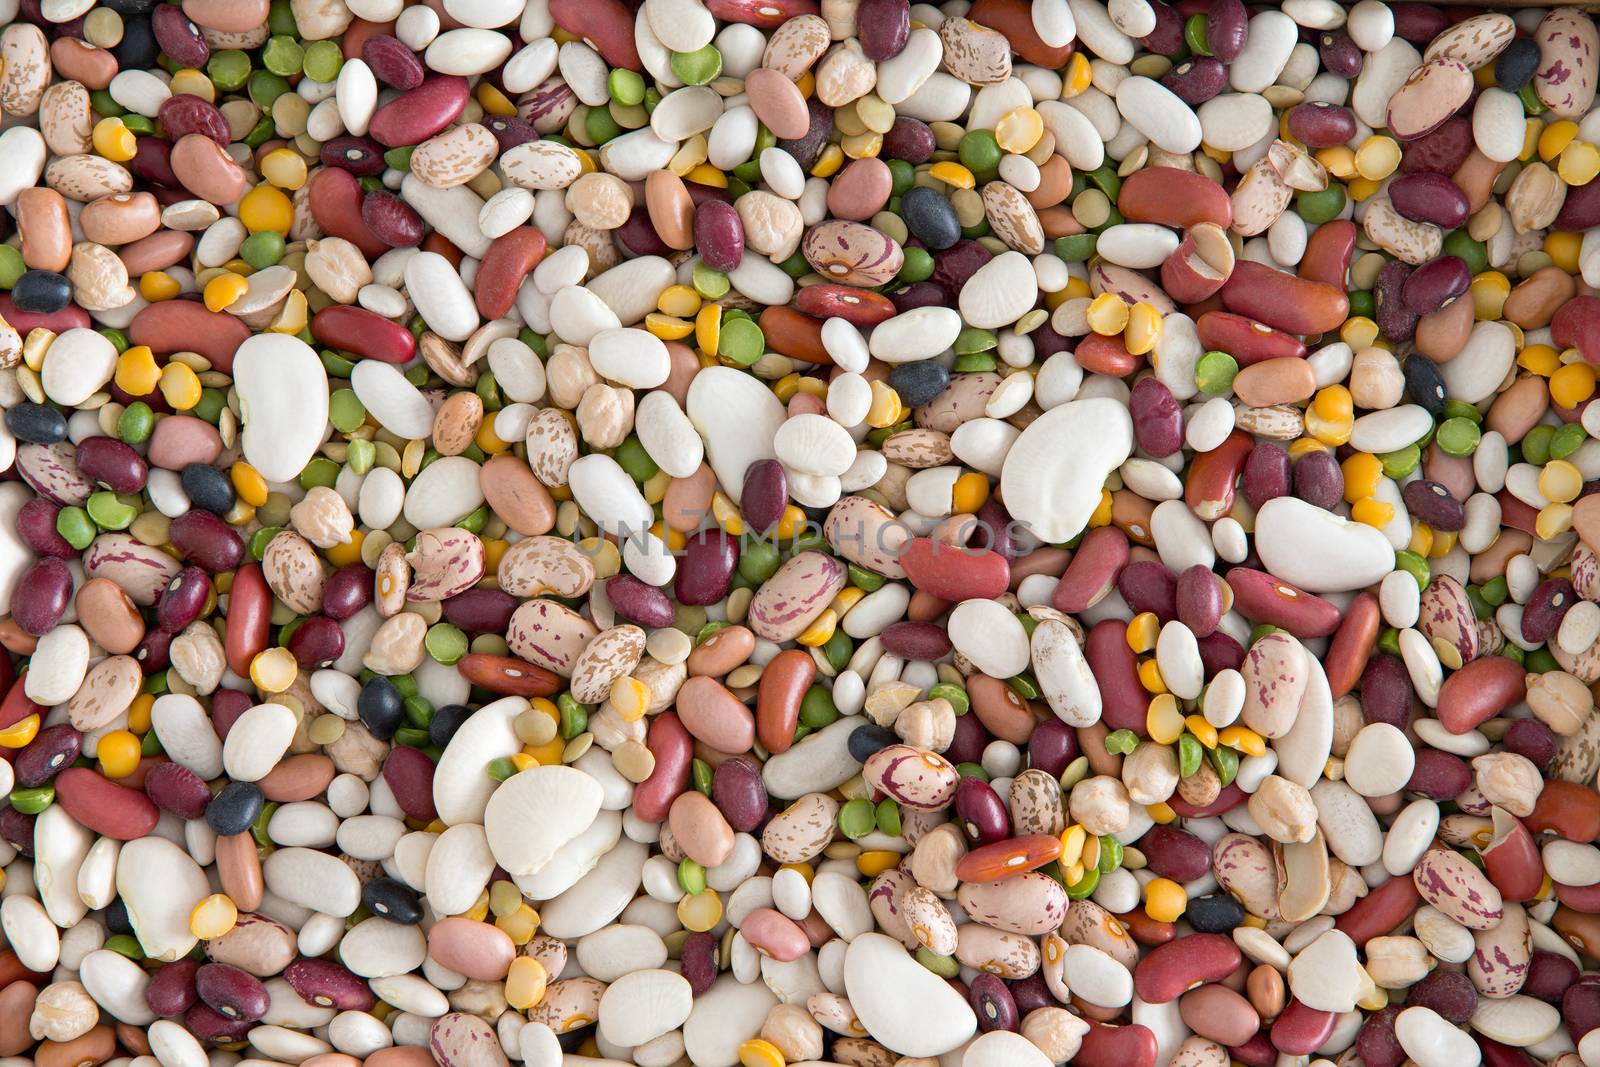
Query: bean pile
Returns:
{"type": "Point", "coordinates": [799, 531]}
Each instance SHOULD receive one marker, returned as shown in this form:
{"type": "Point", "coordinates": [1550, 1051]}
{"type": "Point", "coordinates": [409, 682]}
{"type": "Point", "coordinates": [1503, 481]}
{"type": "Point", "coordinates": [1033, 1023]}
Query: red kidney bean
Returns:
{"type": "Point", "coordinates": [1199, 600]}
{"type": "Point", "coordinates": [349, 589]}
{"type": "Point", "coordinates": [1092, 574]}
{"type": "Point", "coordinates": [1440, 152]}
{"type": "Point", "coordinates": [1567, 809]}
{"type": "Point", "coordinates": [1549, 976]}
{"type": "Point", "coordinates": [369, 335]}
{"type": "Point", "coordinates": [392, 62]}
{"type": "Point", "coordinates": [413, 117]}
{"type": "Point", "coordinates": [249, 620]}
{"type": "Point", "coordinates": [409, 774]}
{"type": "Point", "coordinates": [1257, 1052]}
{"type": "Point", "coordinates": [882, 27]}
{"type": "Point", "coordinates": [1116, 672]}
{"type": "Point", "coordinates": [1227, 28]}
{"type": "Point", "coordinates": [1376, 1042]}
{"type": "Point", "coordinates": [1172, 969]}
{"type": "Point", "coordinates": [737, 792]}
{"type": "Point", "coordinates": [1321, 125]}
{"type": "Point", "coordinates": [171, 990]}
{"type": "Point", "coordinates": [1148, 585]}
{"type": "Point", "coordinates": [152, 162]}
{"type": "Point", "coordinates": [1132, 1045]}
{"type": "Point", "coordinates": [916, 641]}
{"type": "Point", "coordinates": [981, 812]}
{"type": "Point", "coordinates": [995, 532]}
{"type": "Point", "coordinates": [1426, 197]}
{"type": "Point", "coordinates": [510, 258]}
{"type": "Point", "coordinates": [1385, 907]}
{"type": "Point", "coordinates": [1210, 485]}
{"type": "Point", "coordinates": [232, 991]}
{"type": "Point", "coordinates": [185, 325]}
{"type": "Point", "coordinates": [1328, 253]}
{"type": "Point", "coordinates": [112, 463]}
{"type": "Point", "coordinates": [955, 574]}
{"type": "Point", "coordinates": [784, 682]}
{"type": "Point", "coordinates": [42, 596]}
{"type": "Point", "coordinates": [1419, 23]}
{"type": "Point", "coordinates": [609, 25]}
{"type": "Point", "coordinates": [673, 749]}
{"type": "Point", "coordinates": [1479, 691]}
{"type": "Point", "coordinates": [179, 38]}
{"type": "Point", "coordinates": [183, 599]}
{"type": "Point", "coordinates": [335, 199]}
{"type": "Point", "coordinates": [104, 806]}
{"type": "Point", "coordinates": [177, 789]}
{"type": "Point", "coordinates": [508, 675]}
{"type": "Point", "coordinates": [52, 749]}
{"type": "Point", "coordinates": [360, 156]}
{"type": "Point", "coordinates": [1174, 853]}
{"type": "Point", "coordinates": [1099, 354]}
{"type": "Point", "coordinates": [719, 235]}
{"type": "Point", "coordinates": [1282, 300]}
{"type": "Point", "coordinates": [1196, 80]}
{"type": "Point", "coordinates": [316, 642]}
{"type": "Point", "coordinates": [992, 1001]}
{"type": "Point", "coordinates": [705, 570]}
{"type": "Point", "coordinates": [1318, 479]}
{"type": "Point", "coordinates": [1157, 418]}
{"type": "Point", "coordinates": [1533, 740]}
{"type": "Point", "coordinates": [477, 611]}
{"type": "Point", "coordinates": [184, 114]}
{"type": "Point", "coordinates": [207, 540]}
{"type": "Point", "coordinates": [1248, 340]}
{"type": "Point", "coordinates": [956, 264]}
{"type": "Point", "coordinates": [1386, 691]}
{"type": "Point", "coordinates": [1356, 637]}
{"type": "Point", "coordinates": [1580, 1006]}
{"type": "Point", "coordinates": [1300, 1031]}
{"type": "Point", "coordinates": [325, 983]}
{"type": "Point", "coordinates": [1435, 284]}
{"type": "Point", "coordinates": [859, 306]}
{"type": "Point", "coordinates": [1267, 474]}
{"type": "Point", "coordinates": [36, 523]}
{"type": "Point", "coordinates": [1450, 993]}
{"type": "Point", "coordinates": [765, 494]}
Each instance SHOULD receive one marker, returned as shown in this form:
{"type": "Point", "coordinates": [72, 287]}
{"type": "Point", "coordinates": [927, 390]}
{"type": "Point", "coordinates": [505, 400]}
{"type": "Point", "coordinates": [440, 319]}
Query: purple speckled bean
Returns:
{"type": "Point", "coordinates": [737, 792]}
{"type": "Point", "coordinates": [232, 991]}
{"type": "Point", "coordinates": [1394, 317]}
{"type": "Point", "coordinates": [327, 984]}
{"type": "Point", "coordinates": [1542, 614]}
{"type": "Point", "coordinates": [50, 752]}
{"type": "Point", "coordinates": [639, 602]}
{"type": "Point", "coordinates": [184, 114]}
{"type": "Point", "coordinates": [392, 220]}
{"type": "Point", "coordinates": [1549, 976]}
{"type": "Point", "coordinates": [1052, 746]}
{"type": "Point", "coordinates": [1450, 993]}
{"type": "Point", "coordinates": [1386, 691]}
{"type": "Point", "coordinates": [1439, 775]}
{"type": "Point", "coordinates": [477, 611]}
{"type": "Point", "coordinates": [1376, 1041]}
{"type": "Point", "coordinates": [36, 524]}
{"type": "Point", "coordinates": [980, 812]}
{"type": "Point", "coordinates": [1150, 585]}
{"type": "Point", "coordinates": [699, 960]}
{"type": "Point", "coordinates": [112, 463]}
{"type": "Point", "coordinates": [207, 540]}
{"type": "Point", "coordinates": [882, 27]}
{"type": "Point", "coordinates": [392, 62]}
{"type": "Point", "coordinates": [183, 599]}
{"type": "Point", "coordinates": [177, 789]}
{"type": "Point", "coordinates": [1533, 740]}
{"type": "Point", "coordinates": [1436, 283]}
{"type": "Point", "coordinates": [179, 37]}
{"type": "Point", "coordinates": [719, 235]}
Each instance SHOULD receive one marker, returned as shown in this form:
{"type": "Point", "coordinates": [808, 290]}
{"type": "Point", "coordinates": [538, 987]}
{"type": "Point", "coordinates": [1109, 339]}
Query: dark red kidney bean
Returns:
{"type": "Point", "coordinates": [882, 27]}
{"type": "Point", "coordinates": [1395, 317]}
{"type": "Point", "coordinates": [1580, 1006]}
{"type": "Point", "coordinates": [916, 640]}
{"type": "Point", "coordinates": [953, 266]}
{"type": "Point", "coordinates": [316, 642]}
{"type": "Point", "coordinates": [1497, 1055]}
{"type": "Point", "coordinates": [1318, 479]}
{"type": "Point", "coordinates": [1116, 673]}
{"type": "Point", "coordinates": [152, 162]}
{"type": "Point", "coordinates": [1431, 198]}
{"type": "Point", "coordinates": [477, 611]}
{"type": "Point", "coordinates": [325, 983]}
{"type": "Point", "coordinates": [971, 738]}
{"type": "Point", "coordinates": [179, 37]}
{"type": "Point", "coordinates": [361, 156]}
{"type": "Point", "coordinates": [392, 62]}
{"type": "Point", "coordinates": [207, 540]}
{"type": "Point", "coordinates": [1532, 740]}
{"type": "Point", "coordinates": [1267, 473]}
{"type": "Point", "coordinates": [1542, 614]}
{"type": "Point", "coordinates": [1031, 992]}
{"type": "Point", "coordinates": [183, 599]}
{"type": "Point", "coordinates": [1549, 976]}
{"type": "Point", "coordinates": [765, 494]}
{"type": "Point", "coordinates": [992, 1001]}
{"type": "Point", "coordinates": [1165, 40]}
{"type": "Point", "coordinates": [669, 742]}
{"type": "Point", "coordinates": [1376, 1042]}
{"type": "Point", "coordinates": [210, 1025]}
{"type": "Point", "coordinates": [1300, 1030]}
{"type": "Point", "coordinates": [1322, 125]}
{"type": "Point", "coordinates": [1339, 54]}
{"type": "Point", "coordinates": [1157, 418]}
{"type": "Point", "coordinates": [909, 139]}
{"type": "Point", "coordinates": [112, 463]}
{"type": "Point", "coordinates": [510, 131]}
{"type": "Point", "coordinates": [184, 114]}
{"type": "Point", "coordinates": [639, 602]}
{"type": "Point", "coordinates": [981, 812]}
{"type": "Point", "coordinates": [1419, 23]}
{"type": "Point", "coordinates": [1196, 80]}
{"type": "Point", "coordinates": [177, 789]}
{"type": "Point", "coordinates": [413, 117]}
{"type": "Point", "coordinates": [1440, 152]}
{"type": "Point", "coordinates": [1174, 853]}
{"type": "Point", "coordinates": [153, 651]}
{"type": "Point", "coordinates": [1150, 585]}
{"type": "Point", "coordinates": [1227, 28]}
{"type": "Point", "coordinates": [995, 532]}
{"type": "Point", "coordinates": [1435, 284]}
{"type": "Point", "coordinates": [355, 329]}
{"type": "Point", "coordinates": [1386, 691]}
{"type": "Point", "coordinates": [54, 748]}
{"type": "Point", "coordinates": [1052, 746]}
{"type": "Point", "coordinates": [104, 806]}
{"type": "Point", "coordinates": [737, 792]}
{"type": "Point", "coordinates": [36, 523]}
{"type": "Point", "coordinates": [1450, 993]}
{"type": "Point", "coordinates": [699, 959]}
{"type": "Point", "coordinates": [1439, 775]}
{"type": "Point", "coordinates": [706, 567]}
{"type": "Point", "coordinates": [349, 589]}
{"type": "Point", "coordinates": [42, 595]}
{"type": "Point", "coordinates": [394, 221]}
{"type": "Point", "coordinates": [409, 774]}
{"type": "Point", "coordinates": [171, 989]}
{"type": "Point", "coordinates": [1433, 504]}
{"type": "Point", "coordinates": [719, 235]}
{"type": "Point", "coordinates": [1219, 652]}
{"type": "Point", "coordinates": [1199, 600]}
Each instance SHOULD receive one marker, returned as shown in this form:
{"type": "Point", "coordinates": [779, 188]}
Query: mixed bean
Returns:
{"type": "Point", "coordinates": [799, 531]}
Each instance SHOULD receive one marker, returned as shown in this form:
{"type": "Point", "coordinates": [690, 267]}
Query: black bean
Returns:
{"type": "Point", "coordinates": [929, 216]}
{"type": "Point", "coordinates": [138, 48]}
{"type": "Point", "coordinates": [38, 424]}
{"type": "Point", "coordinates": [392, 900]}
{"type": "Point", "coordinates": [1425, 384]}
{"type": "Point", "coordinates": [381, 707]}
{"type": "Point", "coordinates": [235, 809]}
{"type": "Point", "coordinates": [41, 291]}
{"type": "Point", "coordinates": [1514, 67]}
{"type": "Point", "coordinates": [1218, 913]}
{"type": "Point", "coordinates": [207, 488]}
{"type": "Point", "coordinates": [446, 721]}
{"type": "Point", "coordinates": [868, 739]}
{"type": "Point", "coordinates": [916, 383]}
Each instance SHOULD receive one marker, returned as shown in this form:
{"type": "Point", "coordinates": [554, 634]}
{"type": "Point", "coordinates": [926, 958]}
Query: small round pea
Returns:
{"type": "Point", "coordinates": [857, 818]}
{"type": "Point", "coordinates": [817, 708]}
{"type": "Point", "coordinates": [1567, 440]}
{"type": "Point", "coordinates": [75, 527]}
{"type": "Point", "coordinates": [228, 69]}
{"type": "Point", "coordinates": [574, 716]}
{"type": "Point", "coordinates": [262, 250]}
{"type": "Point", "coordinates": [888, 814]}
{"type": "Point", "coordinates": [11, 266]}
{"type": "Point", "coordinates": [626, 87]}
{"type": "Point", "coordinates": [1214, 373]}
{"type": "Point", "coordinates": [710, 284]}
{"type": "Point", "coordinates": [918, 265]}
{"type": "Point", "coordinates": [445, 643]}
{"type": "Point", "coordinates": [700, 67]}
{"type": "Point", "coordinates": [1459, 437]}
{"type": "Point", "coordinates": [979, 152]}
{"type": "Point", "coordinates": [759, 560]}
{"type": "Point", "coordinates": [323, 61]}
{"type": "Point", "coordinates": [1536, 444]}
{"type": "Point", "coordinates": [283, 56]}
{"type": "Point", "coordinates": [1323, 205]}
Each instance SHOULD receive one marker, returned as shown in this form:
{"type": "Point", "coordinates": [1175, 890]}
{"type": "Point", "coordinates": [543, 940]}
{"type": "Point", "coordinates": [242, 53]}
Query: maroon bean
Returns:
{"type": "Point", "coordinates": [706, 568]}
{"type": "Point", "coordinates": [329, 985]}
{"type": "Point", "coordinates": [882, 27]}
{"type": "Point", "coordinates": [1301, 1030]}
{"type": "Point", "coordinates": [17, 828]}
{"type": "Point", "coordinates": [113, 464]}
{"type": "Point", "coordinates": [184, 114]}
{"type": "Point", "coordinates": [171, 989]}
{"type": "Point", "coordinates": [208, 1024]}
{"type": "Point", "coordinates": [413, 117]}
{"type": "Point", "coordinates": [916, 640]}
{"type": "Point", "coordinates": [765, 494]}
{"type": "Point", "coordinates": [1435, 284]}
{"type": "Point", "coordinates": [316, 642]}
{"type": "Point", "coordinates": [1581, 210]}
{"type": "Point", "coordinates": [54, 748]}
{"type": "Point", "coordinates": [1219, 652]}
{"type": "Point", "coordinates": [909, 139]}
{"type": "Point", "coordinates": [36, 523]}
{"type": "Point", "coordinates": [1267, 474]}
{"type": "Point", "coordinates": [1149, 585]}
{"type": "Point", "coordinates": [179, 37]}
{"type": "Point", "coordinates": [1321, 125]}
{"type": "Point", "coordinates": [1339, 54]}
{"type": "Point", "coordinates": [1052, 746]}
{"type": "Point", "coordinates": [719, 235]}
{"type": "Point", "coordinates": [995, 534]}
{"type": "Point", "coordinates": [477, 611]}
{"type": "Point", "coordinates": [1439, 775]}
{"type": "Point", "coordinates": [361, 156]}
{"type": "Point", "coordinates": [1376, 1042]}
{"type": "Point", "coordinates": [392, 220]}
{"type": "Point", "coordinates": [1318, 479]}
{"type": "Point", "coordinates": [1386, 691]}
{"type": "Point", "coordinates": [208, 541]}
{"type": "Point", "coordinates": [392, 62]}
{"type": "Point", "coordinates": [992, 1001]}
{"type": "Point", "coordinates": [737, 792]}
{"type": "Point", "coordinates": [183, 599]}
{"type": "Point", "coordinates": [1426, 197]}
{"type": "Point", "coordinates": [1257, 1052]}
{"type": "Point", "coordinates": [1533, 740]}
{"type": "Point", "coordinates": [1395, 317]}
{"type": "Point", "coordinates": [639, 602]}
{"type": "Point", "coordinates": [919, 295]}
{"type": "Point", "coordinates": [1433, 504]}
{"type": "Point", "coordinates": [981, 812]}
{"type": "Point", "coordinates": [1031, 992]}
{"type": "Point", "coordinates": [152, 162]}
{"type": "Point", "coordinates": [1542, 614]}
{"type": "Point", "coordinates": [1227, 29]}
{"type": "Point", "coordinates": [153, 651]}
{"type": "Point", "coordinates": [1175, 854]}
{"type": "Point", "coordinates": [1441, 151]}
{"type": "Point", "coordinates": [510, 131]}
{"type": "Point", "coordinates": [1196, 80]}
{"type": "Point", "coordinates": [954, 265]}
{"type": "Point", "coordinates": [349, 589]}
{"type": "Point", "coordinates": [1199, 600]}
{"type": "Point", "coordinates": [1450, 993]}
{"type": "Point", "coordinates": [1580, 1006]}
{"type": "Point", "coordinates": [638, 235]}
{"type": "Point", "coordinates": [408, 772]}
{"type": "Point", "coordinates": [177, 789]}
{"type": "Point", "coordinates": [699, 960]}
{"type": "Point", "coordinates": [1549, 976]}
{"type": "Point", "coordinates": [970, 740]}
{"type": "Point", "coordinates": [1157, 418]}
{"type": "Point", "coordinates": [42, 595]}
{"type": "Point", "coordinates": [232, 991]}
{"type": "Point", "coordinates": [1418, 23]}
{"type": "Point", "coordinates": [1092, 574]}
{"type": "Point", "coordinates": [805, 150]}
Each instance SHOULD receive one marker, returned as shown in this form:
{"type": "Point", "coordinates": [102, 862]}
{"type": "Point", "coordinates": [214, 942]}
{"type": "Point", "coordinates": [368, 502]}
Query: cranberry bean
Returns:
{"type": "Point", "coordinates": [392, 220]}
{"type": "Point", "coordinates": [366, 334]}
{"type": "Point", "coordinates": [184, 114]}
{"type": "Point", "coordinates": [699, 959]}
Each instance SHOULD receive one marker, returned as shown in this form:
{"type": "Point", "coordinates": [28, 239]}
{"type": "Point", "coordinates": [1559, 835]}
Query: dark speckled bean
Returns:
{"type": "Point", "coordinates": [882, 27]}
{"type": "Point", "coordinates": [1227, 29]}
{"type": "Point", "coordinates": [36, 524]}
{"type": "Point", "coordinates": [699, 959]}
{"type": "Point", "coordinates": [329, 985]}
{"type": "Point", "coordinates": [1321, 125]}
{"type": "Point", "coordinates": [1339, 54]}
{"type": "Point", "coordinates": [177, 789]}
{"type": "Point", "coordinates": [1438, 775]}
{"type": "Point", "coordinates": [993, 1004]}
{"type": "Point", "coordinates": [1267, 474]}
{"type": "Point", "coordinates": [1436, 283]}
{"type": "Point", "coordinates": [719, 235]}
{"type": "Point", "coordinates": [42, 595]}
{"type": "Point", "coordinates": [706, 567]}
{"type": "Point", "coordinates": [981, 812]}
{"type": "Point", "coordinates": [765, 495]}
{"type": "Point", "coordinates": [1150, 585]}
{"type": "Point", "coordinates": [1429, 198]}
{"type": "Point", "coordinates": [47, 754]}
